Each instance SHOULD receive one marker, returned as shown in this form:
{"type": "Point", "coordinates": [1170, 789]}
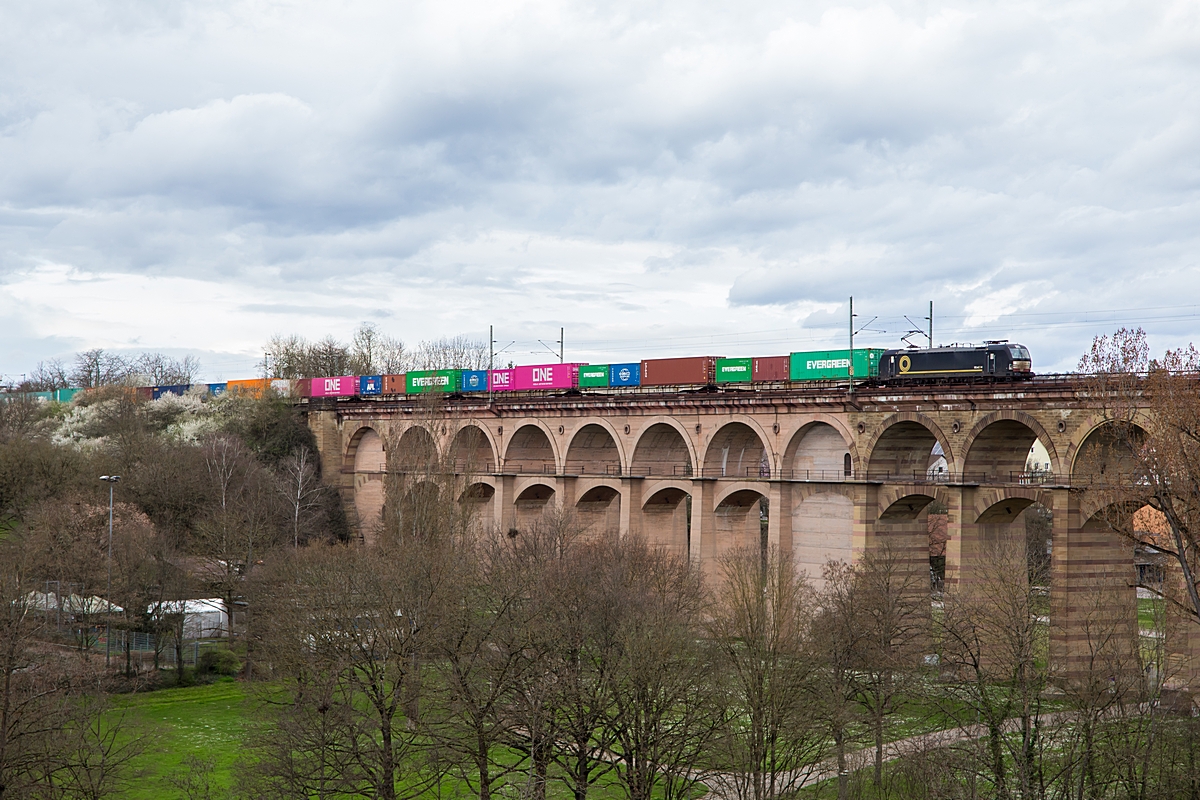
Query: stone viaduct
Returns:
{"type": "Point", "coordinates": [840, 472]}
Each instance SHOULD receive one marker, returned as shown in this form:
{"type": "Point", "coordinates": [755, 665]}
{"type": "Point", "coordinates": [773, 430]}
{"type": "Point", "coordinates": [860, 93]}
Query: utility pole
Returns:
{"type": "Point", "coordinates": [110, 480]}
{"type": "Point", "coordinates": [491, 358]}
{"type": "Point", "coordinates": [561, 338]}
{"type": "Point", "coordinates": [851, 345]}
{"type": "Point", "coordinates": [930, 318]}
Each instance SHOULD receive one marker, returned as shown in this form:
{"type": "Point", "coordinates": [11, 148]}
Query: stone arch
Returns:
{"type": "Point", "coordinates": [738, 449]}
{"type": "Point", "coordinates": [996, 506]}
{"type": "Point", "coordinates": [532, 450]}
{"type": "Point", "coordinates": [665, 520]}
{"type": "Point", "coordinates": [598, 510]}
{"type": "Point", "coordinates": [737, 521]}
{"type": "Point", "coordinates": [997, 448]}
{"type": "Point", "coordinates": [817, 451]}
{"type": "Point", "coordinates": [906, 507]}
{"type": "Point", "coordinates": [903, 446]}
{"type": "Point", "coordinates": [369, 464]}
{"type": "Point", "coordinates": [472, 451]}
{"type": "Point", "coordinates": [533, 501]}
{"type": "Point", "coordinates": [415, 451]}
{"type": "Point", "coordinates": [1100, 452]}
{"type": "Point", "coordinates": [594, 450]}
{"type": "Point", "coordinates": [663, 448]}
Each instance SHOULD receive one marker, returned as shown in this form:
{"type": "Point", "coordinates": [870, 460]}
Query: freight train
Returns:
{"type": "Point", "coordinates": [993, 361]}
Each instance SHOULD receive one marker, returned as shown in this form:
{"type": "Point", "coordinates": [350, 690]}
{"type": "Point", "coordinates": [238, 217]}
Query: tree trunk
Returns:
{"type": "Point", "coordinates": [839, 741]}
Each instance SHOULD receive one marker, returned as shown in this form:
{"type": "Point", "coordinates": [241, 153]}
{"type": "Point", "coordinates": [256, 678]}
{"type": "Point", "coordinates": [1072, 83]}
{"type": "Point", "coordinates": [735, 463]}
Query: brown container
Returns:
{"type": "Point", "coordinates": [145, 393]}
{"type": "Point", "coordinates": [679, 371]}
{"type": "Point", "coordinates": [393, 384]}
{"type": "Point", "coordinates": [772, 368]}
{"type": "Point", "coordinates": [302, 387]}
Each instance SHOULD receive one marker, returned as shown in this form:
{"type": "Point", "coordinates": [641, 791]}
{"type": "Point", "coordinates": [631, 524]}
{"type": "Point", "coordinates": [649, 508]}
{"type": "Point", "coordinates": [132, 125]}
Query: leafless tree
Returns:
{"type": "Point", "coordinates": [47, 376]}
{"type": "Point", "coordinates": [301, 487]}
{"type": "Point", "coordinates": [763, 624]}
{"type": "Point", "coordinates": [99, 367]}
{"type": "Point", "coordinates": [375, 353]}
{"type": "Point", "coordinates": [157, 369]}
{"type": "Point", "coordinates": [452, 352]}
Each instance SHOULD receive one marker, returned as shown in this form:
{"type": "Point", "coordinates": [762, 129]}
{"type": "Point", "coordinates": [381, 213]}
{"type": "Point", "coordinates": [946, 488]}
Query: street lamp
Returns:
{"type": "Point", "coordinates": [110, 480]}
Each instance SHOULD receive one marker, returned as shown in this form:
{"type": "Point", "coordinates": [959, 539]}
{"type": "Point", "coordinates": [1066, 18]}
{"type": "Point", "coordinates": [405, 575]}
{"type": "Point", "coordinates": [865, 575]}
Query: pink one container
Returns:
{"type": "Point", "coordinates": [345, 386]}
{"type": "Point", "coordinates": [546, 376]}
{"type": "Point", "coordinates": [502, 380]}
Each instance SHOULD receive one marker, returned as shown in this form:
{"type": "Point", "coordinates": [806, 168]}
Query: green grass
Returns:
{"type": "Point", "coordinates": [206, 721]}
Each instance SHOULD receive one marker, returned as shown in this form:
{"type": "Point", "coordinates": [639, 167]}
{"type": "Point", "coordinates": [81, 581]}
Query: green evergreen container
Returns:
{"type": "Point", "coordinates": [834, 365]}
{"type": "Point", "coordinates": [593, 375]}
{"type": "Point", "coordinates": [735, 370]}
{"type": "Point", "coordinates": [433, 380]}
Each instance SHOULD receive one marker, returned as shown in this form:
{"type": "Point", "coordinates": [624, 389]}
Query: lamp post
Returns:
{"type": "Point", "coordinates": [110, 480]}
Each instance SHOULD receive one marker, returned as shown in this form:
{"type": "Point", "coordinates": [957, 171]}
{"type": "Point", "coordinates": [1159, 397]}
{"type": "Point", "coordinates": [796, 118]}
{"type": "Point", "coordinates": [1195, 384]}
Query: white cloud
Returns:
{"type": "Point", "coordinates": [655, 177]}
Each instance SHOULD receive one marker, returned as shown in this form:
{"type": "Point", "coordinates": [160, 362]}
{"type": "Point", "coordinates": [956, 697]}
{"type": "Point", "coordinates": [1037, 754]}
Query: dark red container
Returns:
{"type": "Point", "coordinates": [302, 387]}
{"type": "Point", "coordinates": [679, 371]}
{"type": "Point", "coordinates": [771, 368]}
{"type": "Point", "coordinates": [394, 384]}
{"type": "Point", "coordinates": [145, 393]}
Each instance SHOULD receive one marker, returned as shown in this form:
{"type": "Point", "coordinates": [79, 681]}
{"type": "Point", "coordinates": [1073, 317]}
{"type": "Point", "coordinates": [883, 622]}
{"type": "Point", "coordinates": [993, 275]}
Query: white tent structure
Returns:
{"type": "Point", "coordinates": [202, 619]}
{"type": "Point", "coordinates": [69, 604]}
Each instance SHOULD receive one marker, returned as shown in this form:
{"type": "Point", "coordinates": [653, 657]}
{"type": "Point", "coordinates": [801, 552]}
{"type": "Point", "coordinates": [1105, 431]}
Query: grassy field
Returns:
{"type": "Point", "coordinates": [205, 721]}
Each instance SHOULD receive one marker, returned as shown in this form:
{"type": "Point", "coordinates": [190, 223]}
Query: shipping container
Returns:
{"type": "Point", "coordinates": [255, 387]}
{"type": "Point", "coordinates": [218, 388]}
{"type": "Point", "coordinates": [502, 380]}
{"type": "Point", "coordinates": [593, 375]}
{"type": "Point", "coordinates": [625, 374]}
{"type": "Point", "coordinates": [302, 387]}
{"type": "Point", "coordinates": [341, 386]}
{"type": "Point", "coordinates": [369, 385]}
{"type": "Point", "coordinates": [66, 395]}
{"type": "Point", "coordinates": [394, 384]}
{"type": "Point", "coordinates": [179, 390]}
{"type": "Point", "coordinates": [829, 365]}
{"type": "Point", "coordinates": [438, 380]}
{"type": "Point", "coordinates": [734, 370]}
{"type": "Point", "coordinates": [546, 376]}
{"type": "Point", "coordinates": [474, 380]}
{"type": "Point", "coordinates": [697, 370]}
{"type": "Point", "coordinates": [772, 368]}
{"type": "Point", "coordinates": [143, 392]}
{"type": "Point", "coordinates": [281, 387]}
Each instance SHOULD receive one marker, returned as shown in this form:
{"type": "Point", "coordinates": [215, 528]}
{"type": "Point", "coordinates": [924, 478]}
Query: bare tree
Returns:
{"type": "Point", "coordinates": [158, 369]}
{"type": "Point", "coordinates": [301, 486]}
{"type": "Point", "coordinates": [373, 352]}
{"type": "Point", "coordinates": [763, 624]}
{"type": "Point", "coordinates": [452, 352]}
{"type": "Point", "coordinates": [47, 376]}
{"type": "Point", "coordinates": [99, 367]}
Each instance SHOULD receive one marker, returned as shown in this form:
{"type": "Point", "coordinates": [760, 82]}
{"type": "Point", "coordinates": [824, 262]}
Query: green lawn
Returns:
{"type": "Point", "coordinates": [206, 721]}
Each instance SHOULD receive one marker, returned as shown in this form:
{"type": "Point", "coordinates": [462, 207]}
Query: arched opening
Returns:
{"type": "Point", "coordinates": [530, 452]}
{"type": "Point", "coordinates": [471, 452]}
{"type": "Point", "coordinates": [593, 452]}
{"type": "Point", "coordinates": [415, 453]}
{"type": "Point", "coordinates": [741, 522]}
{"type": "Point", "coordinates": [599, 511]}
{"type": "Point", "coordinates": [820, 454]}
{"type": "Point", "coordinates": [666, 520]}
{"type": "Point", "coordinates": [532, 503]}
{"type": "Point", "coordinates": [661, 451]}
{"type": "Point", "coordinates": [479, 501]}
{"type": "Point", "coordinates": [822, 531]}
{"type": "Point", "coordinates": [369, 473]}
{"type": "Point", "coordinates": [1001, 453]}
{"type": "Point", "coordinates": [737, 452]}
{"type": "Point", "coordinates": [907, 451]}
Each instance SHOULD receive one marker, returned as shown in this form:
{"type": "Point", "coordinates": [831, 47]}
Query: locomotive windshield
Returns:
{"type": "Point", "coordinates": [1018, 352]}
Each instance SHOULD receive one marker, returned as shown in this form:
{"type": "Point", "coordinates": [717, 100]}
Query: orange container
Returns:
{"type": "Point", "coordinates": [255, 387]}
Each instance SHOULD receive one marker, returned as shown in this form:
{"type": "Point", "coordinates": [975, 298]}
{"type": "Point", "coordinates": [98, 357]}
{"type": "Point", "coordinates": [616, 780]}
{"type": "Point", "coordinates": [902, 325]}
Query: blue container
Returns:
{"type": "Point", "coordinates": [625, 374]}
{"type": "Point", "coordinates": [65, 395]}
{"type": "Point", "coordinates": [216, 388]}
{"type": "Point", "coordinates": [474, 380]}
{"type": "Point", "coordinates": [370, 384]}
{"type": "Point", "coordinates": [178, 389]}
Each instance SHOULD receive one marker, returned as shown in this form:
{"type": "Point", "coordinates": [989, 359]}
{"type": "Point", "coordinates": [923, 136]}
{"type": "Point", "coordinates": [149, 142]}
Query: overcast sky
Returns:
{"type": "Point", "coordinates": [659, 178]}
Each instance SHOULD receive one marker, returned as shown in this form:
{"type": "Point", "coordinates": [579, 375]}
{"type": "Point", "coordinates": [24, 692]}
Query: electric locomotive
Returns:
{"type": "Point", "coordinates": [996, 360]}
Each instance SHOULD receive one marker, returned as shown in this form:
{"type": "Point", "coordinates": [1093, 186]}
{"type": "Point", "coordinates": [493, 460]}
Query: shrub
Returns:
{"type": "Point", "coordinates": [219, 662]}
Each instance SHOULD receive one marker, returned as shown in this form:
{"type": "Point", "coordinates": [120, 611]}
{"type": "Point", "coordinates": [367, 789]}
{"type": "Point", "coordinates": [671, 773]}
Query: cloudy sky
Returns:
{"type": "Point", "coordinates": [659, 178]}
